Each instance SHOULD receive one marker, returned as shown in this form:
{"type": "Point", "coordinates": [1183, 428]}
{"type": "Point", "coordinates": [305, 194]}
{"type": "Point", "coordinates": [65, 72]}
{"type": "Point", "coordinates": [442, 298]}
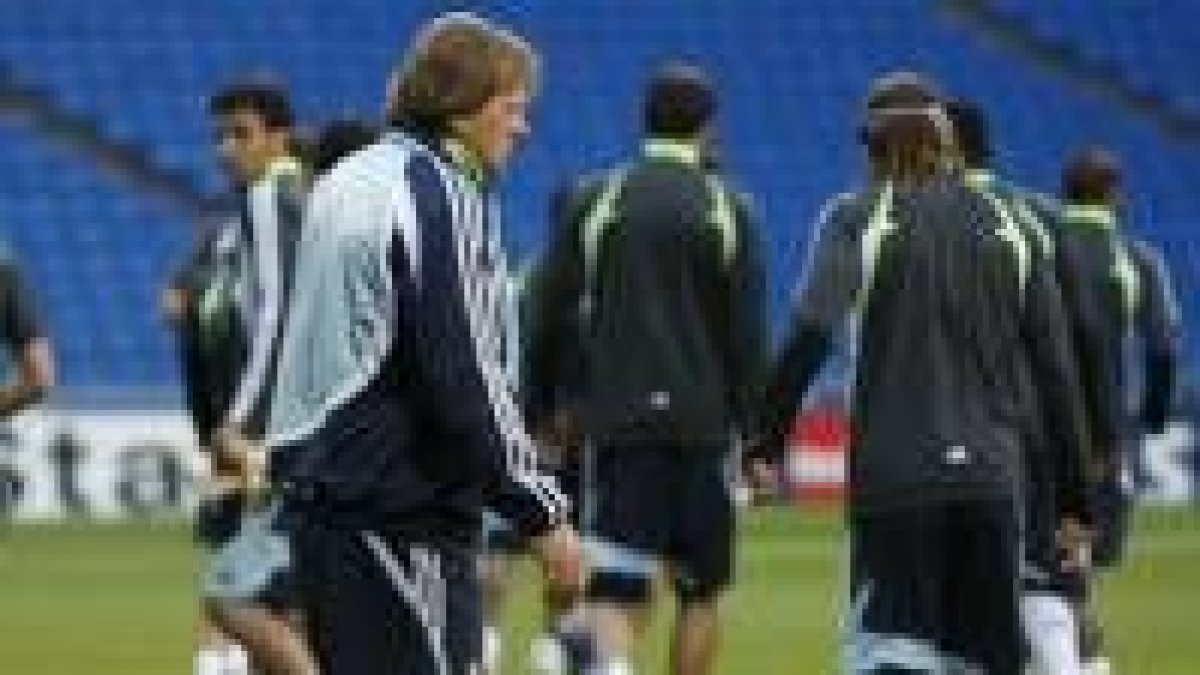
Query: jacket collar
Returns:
{"type": "Point", "coordinates": [453, 151]}
{"type": "Point", "coordinates": [672, 150]}
{"type": "Point", "coordinates": [280, 166]}
{"type": "Point", "coordinates": [980, 178]}
{"type": "Point", "coordinates": [1096, 215]}
{"type": "Point", "coordinates": [467, 162]}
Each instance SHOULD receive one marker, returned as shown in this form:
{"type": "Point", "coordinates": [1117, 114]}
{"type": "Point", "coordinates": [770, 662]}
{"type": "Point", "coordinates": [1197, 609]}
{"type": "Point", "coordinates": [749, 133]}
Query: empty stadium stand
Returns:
{"type": "Point", "coordinates": [98, 246]}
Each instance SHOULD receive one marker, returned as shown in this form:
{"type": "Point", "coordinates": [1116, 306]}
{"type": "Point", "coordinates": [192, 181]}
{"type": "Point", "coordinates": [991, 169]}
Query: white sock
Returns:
{"type": "Point", "coordinates": [1049, 623]}
{"type": "Point", "coordinates": [492, 647]}
{"type": "Point", "coordinates": [547, 656]}
{"type": "Point", "coordinates": [209, 662]}
{"type": "Point", "coordinates": [225, 658]}
{"type": "Point", "coordinates": [615, 666]}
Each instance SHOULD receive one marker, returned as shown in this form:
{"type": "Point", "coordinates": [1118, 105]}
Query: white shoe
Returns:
{"type": "Point", "coordinates": [613, 667]}
{"type": "Point", "coordinates": [547, 656]}
{"type": "Point", "coordinates": [226, 659]}
{"type": "Point", "coordinates": [1098, 666]}
{"type": "Point", "coordinates": [492, 646]}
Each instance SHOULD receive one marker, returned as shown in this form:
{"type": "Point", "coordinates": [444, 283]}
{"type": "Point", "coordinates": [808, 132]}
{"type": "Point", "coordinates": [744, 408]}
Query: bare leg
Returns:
{"type": "Point", "coordinates": [617, 629]}
{"type": "Point", "coordinates": [697, 637]}
{"type": "Point", "coordinates": [275, 647]}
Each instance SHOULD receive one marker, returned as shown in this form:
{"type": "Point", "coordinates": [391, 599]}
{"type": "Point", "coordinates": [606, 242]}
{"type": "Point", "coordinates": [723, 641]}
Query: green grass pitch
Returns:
{"type": "Point", "coordinates": [118, 599]}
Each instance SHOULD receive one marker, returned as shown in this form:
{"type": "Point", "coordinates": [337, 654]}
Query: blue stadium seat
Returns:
{"type": "Point", "coordinates": [793, 75]}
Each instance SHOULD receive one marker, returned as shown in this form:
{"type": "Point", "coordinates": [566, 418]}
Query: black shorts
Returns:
{"type": "Point", "coordinates": [373, 604]}
{"type": "Point", "coordinates": [935, 589]}
{"type": "Point", "coordinates": [652, 504]}
{"type": "Point", "coordinates": [253, 566]}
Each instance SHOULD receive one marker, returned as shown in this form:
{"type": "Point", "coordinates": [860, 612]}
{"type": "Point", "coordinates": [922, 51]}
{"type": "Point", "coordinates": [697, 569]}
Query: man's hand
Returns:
{"type": "Point", "coordinates": [561, 431]}
{"type": "Point", "coordinates": [1074, 540]}
{"type": "Point", "coordinates": [174, 303]}
{"type": "Point", "coordinates": [1103, 465]}
{"type": "Point", "coordinates": [762, 467]}
{"type": "Point", "coordinates": [35, 377]}
{"type": "Point", "coordinates": [247, 457]}
{"type": "Point", "coordinates": [762, 477]}
{"type": "Point", "coordinates": [561, 555]}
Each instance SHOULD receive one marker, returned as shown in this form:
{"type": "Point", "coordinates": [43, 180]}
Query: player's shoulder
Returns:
{"type": "Point", "coordinates": [1047, 207]}
{"type": "Point", "coordinates": [741, 198]}
{"type": "Point", "coordinates": [359, 193]}
{"type": "Point", "coordinates": [591, 182]}
{"type": "Point", "coordinates": [380, 168]}
{"type": "Point", "coordinates": [1143, 247]}
{"type": "Point", "coordinates": [844, 201]}
{"type": "Point", "coordinates": [1039, 204]}
{"type": "Point", "coordinates": [572, 195]}
{"type": "Point", "coordinates": [845, 212]}
{"type": "Point", "coordinates": [365, 169]}
{"type": "Point", "coordinates": [1146, 254]}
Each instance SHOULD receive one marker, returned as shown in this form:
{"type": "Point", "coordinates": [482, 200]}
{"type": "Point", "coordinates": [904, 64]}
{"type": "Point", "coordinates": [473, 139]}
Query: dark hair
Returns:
{"type": "Point", "coordinates": [680, 102]}
{"type": "Point", "coordinates": [906, 131]}
{"type": "Point", "coordinates": [267, 99]}
{"type": "Point", "coordinates": [456, 63]}
{"type": "Point", "coordinates": [1091, 176]}
{"type": "Point", "coordinates": [971, 132]}
{"type": "Point", "coordinates": [339, 139]}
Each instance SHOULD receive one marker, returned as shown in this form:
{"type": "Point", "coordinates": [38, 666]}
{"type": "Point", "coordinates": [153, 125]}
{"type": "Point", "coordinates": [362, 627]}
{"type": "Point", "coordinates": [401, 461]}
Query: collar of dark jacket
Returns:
{"type": "Point", "coordinates": [673, 150]}
{"type": "Point", "coordinates": [1096, 216]}
{"type": "Point", "coordinates": [980, 178]}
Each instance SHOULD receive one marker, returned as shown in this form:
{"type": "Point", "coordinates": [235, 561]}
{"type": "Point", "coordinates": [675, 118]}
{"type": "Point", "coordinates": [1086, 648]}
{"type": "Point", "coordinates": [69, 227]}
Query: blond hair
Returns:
{"type": "Point", "coordinates": [456, 63]}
